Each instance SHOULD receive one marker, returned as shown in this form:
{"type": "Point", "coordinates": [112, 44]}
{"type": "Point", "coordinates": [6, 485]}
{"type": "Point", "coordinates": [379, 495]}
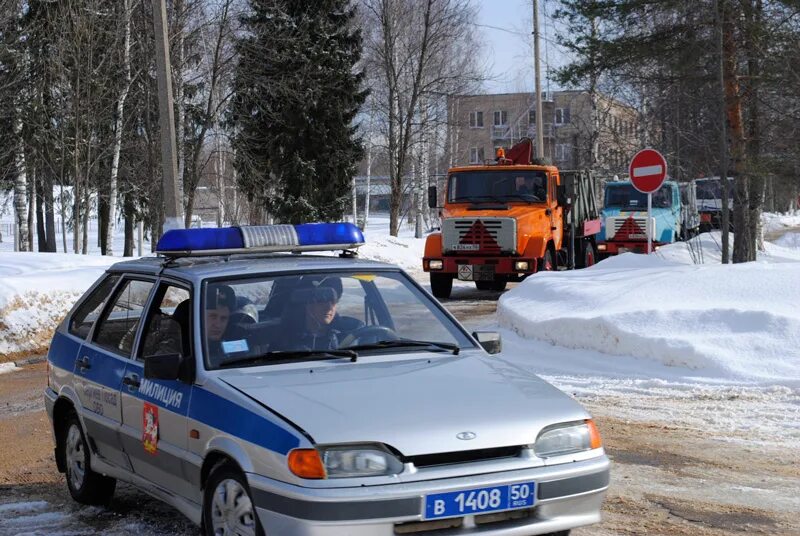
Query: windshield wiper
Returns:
{"type": "Point", "coordinates": [293, 355]}
{"type": "Point", "coordinates": [401, 343]}
{"type": "Point", "coordinates": [479, 199]}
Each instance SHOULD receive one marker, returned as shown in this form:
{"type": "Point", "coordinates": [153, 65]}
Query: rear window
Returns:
{"type": "Point", "coordinates": [81, 322]}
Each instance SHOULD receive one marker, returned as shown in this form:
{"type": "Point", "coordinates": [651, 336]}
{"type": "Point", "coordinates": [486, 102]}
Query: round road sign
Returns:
{"type": "Point", "coordinates": [648, 170]}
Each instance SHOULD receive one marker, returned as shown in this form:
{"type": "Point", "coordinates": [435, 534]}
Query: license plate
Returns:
{"type": "Point", "coordinates": [480, 500]}
{"type": "Point", "coordinates": [476, 272]}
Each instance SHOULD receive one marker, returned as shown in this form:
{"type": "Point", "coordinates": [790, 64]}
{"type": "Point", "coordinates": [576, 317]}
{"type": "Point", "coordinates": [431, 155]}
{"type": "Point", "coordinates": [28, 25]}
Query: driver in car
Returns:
{"type": "Point", "coordinates": [314, 331]}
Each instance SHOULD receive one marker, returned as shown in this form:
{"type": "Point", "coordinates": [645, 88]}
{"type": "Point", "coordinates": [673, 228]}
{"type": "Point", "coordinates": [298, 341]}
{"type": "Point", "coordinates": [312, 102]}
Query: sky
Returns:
{"type": "Point", "coordinates": [505, 27]}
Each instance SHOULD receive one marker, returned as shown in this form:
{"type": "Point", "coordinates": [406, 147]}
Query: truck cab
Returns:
{"type": "Point", "coordinates": [624, 218]}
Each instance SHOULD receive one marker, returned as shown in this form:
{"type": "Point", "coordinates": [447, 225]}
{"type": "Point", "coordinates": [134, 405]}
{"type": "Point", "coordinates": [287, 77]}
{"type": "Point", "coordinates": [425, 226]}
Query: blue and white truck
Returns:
{"type": "Point", "coordinates": [624, 217]}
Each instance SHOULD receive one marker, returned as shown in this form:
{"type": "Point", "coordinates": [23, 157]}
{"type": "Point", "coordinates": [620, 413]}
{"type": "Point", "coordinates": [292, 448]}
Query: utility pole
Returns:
{"type": "Point", "coordinates": [723, 140]}
{"type": "Point", "coordinates": [173, 207]}
{"type": "Point", "coordinates": [537, 73]}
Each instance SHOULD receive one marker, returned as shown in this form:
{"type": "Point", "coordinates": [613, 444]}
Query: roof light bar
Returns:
{"type": "Point", "coordinates": [260, 238]}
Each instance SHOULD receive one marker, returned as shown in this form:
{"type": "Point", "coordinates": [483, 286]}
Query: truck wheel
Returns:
{"type": "Point", "coordinates": [547, 263]}
{"type": "Point", "coordinates": [497, 285]}
{"type": "Point", "coordinates": [85, 486]}
{"type": "Point", "coordinates": [588, 255]}
{"type": "Point", "coordinates": [441, 285]}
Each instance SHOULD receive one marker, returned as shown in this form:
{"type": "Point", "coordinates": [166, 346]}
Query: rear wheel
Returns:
{"type": "Point", "coordinates": [85, 486]}
{"type": "Point", "coordinates": [497, 285]}
{"type": "Point", "coordinates": [441, 285]}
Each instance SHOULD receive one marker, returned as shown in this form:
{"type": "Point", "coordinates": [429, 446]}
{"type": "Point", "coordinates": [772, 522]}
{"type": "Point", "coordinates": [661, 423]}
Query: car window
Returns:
{"type": "Point", "coordinates": [168, 326]}
{"type": "Point", "coordinates": [317, 311]}
{"type": "Point", "coordinates": [81, 322]}
{"type": "Point", "coordinates": [117, 329]}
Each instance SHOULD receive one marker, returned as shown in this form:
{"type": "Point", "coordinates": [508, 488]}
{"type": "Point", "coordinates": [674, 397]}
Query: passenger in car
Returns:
{"type": "Point", "coordinates": [220, 301]}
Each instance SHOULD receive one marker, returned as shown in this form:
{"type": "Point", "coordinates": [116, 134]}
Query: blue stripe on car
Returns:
{"type": "Point", "coordinates": [204, 406]}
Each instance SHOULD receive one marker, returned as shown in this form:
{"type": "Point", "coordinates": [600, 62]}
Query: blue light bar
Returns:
{"type": "Point", "coordinates": [260, 238]}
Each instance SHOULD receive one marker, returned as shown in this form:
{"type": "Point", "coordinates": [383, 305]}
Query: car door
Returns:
{"type": "Point", "coordinates": [101, 364]}
{"type": "Point", "coordinates": [154, 426]}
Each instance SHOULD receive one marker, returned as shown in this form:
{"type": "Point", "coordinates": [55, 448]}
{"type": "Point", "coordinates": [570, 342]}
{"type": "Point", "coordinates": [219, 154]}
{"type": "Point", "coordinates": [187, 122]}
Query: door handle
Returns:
{"type": "Point", "coordinates": [131, 381]}
{"type": "Point", "coordinates": [84, 363]}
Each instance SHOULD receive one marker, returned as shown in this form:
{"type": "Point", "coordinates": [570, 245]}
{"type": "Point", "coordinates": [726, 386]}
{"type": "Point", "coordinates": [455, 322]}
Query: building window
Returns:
{"type": "Point", "coordinates": [532, 117]}
{"type": "Point", "coordinates": [476, 155]}
{"type": "Point", "coordinates": [563, 152]}
{"type": "Point", "coordinates": [562, 116]}
{"type": "Point", "coordinates": [500, 118]}
{"type": "Point", "coordinates": [476, 119]}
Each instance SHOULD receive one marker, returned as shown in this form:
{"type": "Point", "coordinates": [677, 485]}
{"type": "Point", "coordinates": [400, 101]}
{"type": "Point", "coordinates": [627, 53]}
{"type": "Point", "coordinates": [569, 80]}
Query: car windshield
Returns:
{"type": "Point", "coordinates": [626, 196]}
{"type": "Point", "coordinates": [499, 185]}
{"type": "Point", "coordinates": [321, 315]}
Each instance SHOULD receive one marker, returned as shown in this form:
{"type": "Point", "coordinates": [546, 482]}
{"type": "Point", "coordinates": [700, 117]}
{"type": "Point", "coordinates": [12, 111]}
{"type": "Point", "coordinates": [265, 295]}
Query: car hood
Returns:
{"type": "Point", "coordinates": [415, 405]}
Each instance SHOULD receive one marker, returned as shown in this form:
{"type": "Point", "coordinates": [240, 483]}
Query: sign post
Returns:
{"type": "Point", "coordinates": [648, 169]}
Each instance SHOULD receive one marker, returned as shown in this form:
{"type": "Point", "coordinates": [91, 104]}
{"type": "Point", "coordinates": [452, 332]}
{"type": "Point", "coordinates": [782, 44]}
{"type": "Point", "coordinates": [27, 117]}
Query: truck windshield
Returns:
{"type": "Point", "coordinates": [710, 189]}
{"type": "Point", "coordinates": [626, 196]}
{"type": "Point", "coordinates": [497, 185]}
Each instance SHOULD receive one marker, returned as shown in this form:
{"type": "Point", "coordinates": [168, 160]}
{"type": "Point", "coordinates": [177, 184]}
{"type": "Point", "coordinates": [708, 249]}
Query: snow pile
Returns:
{"type": "Point", "coordinates": [774, 222]}
{"type": "Point", "coordinates": [36, 291]}
{"type": "Point", "coordinates": [789, 240]}
{"type": "Point", "coordinates": [706, 248]}
{"type": "Point", "coordinates": [405, 251]}
{"type": "Point", "coordinates": [735, 323]}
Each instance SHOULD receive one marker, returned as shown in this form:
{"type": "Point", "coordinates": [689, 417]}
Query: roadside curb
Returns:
{"type": "Point", "coordinates": [29, 361]}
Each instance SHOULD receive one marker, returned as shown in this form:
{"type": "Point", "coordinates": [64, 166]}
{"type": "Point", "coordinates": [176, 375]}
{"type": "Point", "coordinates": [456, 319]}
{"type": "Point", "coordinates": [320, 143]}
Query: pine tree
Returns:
{"type": "Point", "coordinates": [296, 95]}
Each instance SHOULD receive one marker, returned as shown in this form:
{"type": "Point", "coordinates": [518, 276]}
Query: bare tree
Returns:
{"type": "Point", "coordinates": [419, 50]}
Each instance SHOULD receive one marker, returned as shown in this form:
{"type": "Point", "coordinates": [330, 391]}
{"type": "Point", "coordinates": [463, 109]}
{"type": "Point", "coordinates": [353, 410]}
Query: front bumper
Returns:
{"type": "Point", "coordinates": [569, 495]}
{"type": "Point", "coordinates": [615, 247]}
{"type": "Point", "coordinates": [502, 265]}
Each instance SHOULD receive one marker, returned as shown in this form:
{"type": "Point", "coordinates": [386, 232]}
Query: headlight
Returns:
{"type": "Point", "coordinates": [521, 266]}
{"type": "Point", "coordinates": [435, 264]}
{"type": "Point", "coordinates": [567, 438]}
{"type": "Point", "coordinates": [345, 461]}
{"type": "Point", "coordinates": [359, 460]}
{"type": "Point", "coordinates": [601, 247]}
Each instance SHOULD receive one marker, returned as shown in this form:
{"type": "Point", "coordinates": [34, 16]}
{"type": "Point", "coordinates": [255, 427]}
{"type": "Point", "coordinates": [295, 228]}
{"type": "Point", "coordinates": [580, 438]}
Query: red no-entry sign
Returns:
{"type": "Point", "coordinates": [648, 170]}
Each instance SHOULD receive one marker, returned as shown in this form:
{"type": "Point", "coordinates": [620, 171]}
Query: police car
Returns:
{"type": "Point", "coordinates": [260, 391]}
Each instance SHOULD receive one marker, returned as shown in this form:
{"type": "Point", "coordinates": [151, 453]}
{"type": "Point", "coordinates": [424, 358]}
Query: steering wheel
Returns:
{"type": "Point", "coordinates": [369, 335]}
{"type": "Point", "coordinates": [241, 319]}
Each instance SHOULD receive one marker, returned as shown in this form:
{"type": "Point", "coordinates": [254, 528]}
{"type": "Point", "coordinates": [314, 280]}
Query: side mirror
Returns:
{"type": "Point", "coordinates": [490, 340]}
{"type": "Point", "coordinates": [163, 367]}
{"type": "Point", "coordinates": [433, 197]}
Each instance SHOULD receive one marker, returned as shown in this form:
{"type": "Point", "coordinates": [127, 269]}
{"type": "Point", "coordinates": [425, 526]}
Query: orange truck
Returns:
{"type": "Point", "coordinates": [506, 220]}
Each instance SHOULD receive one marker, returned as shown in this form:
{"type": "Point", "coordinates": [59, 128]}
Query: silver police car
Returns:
{"type": "Point", "coordinates": [265, 392]}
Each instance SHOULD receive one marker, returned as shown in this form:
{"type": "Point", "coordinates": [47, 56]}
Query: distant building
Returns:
{"type": "Point", "coordinates": [479, 124]}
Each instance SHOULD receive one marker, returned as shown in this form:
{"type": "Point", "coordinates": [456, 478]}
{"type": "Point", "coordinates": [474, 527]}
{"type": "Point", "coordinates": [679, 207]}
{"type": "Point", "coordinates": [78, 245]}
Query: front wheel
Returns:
{"type": "Point", "coordinates": [588, 255]}
{"type": "Point", "coordinates": [441, 285]}
{"type": "Point", "coordinates": [85, 486]}
{"type": "Point", "coordinates": [228, 508]}
{"type": "Point", "coordinates": [546, 263]}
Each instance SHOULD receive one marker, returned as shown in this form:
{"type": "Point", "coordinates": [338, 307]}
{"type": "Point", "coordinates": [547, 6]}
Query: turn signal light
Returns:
{"type": "Point", "coordinates": [306, 463]}
{"type": "Point", "coordinates": [522, 266]}
{"type": "Point", "coordinates": [594, 435]}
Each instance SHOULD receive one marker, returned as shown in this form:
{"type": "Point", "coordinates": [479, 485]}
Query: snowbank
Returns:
{"type": "Point", "coordinates": [789, 240]}
{"type": "Point", "coordinates": [36, 291]}
{"type": "Point", "coordinates": [774, 222]}
{"type": "Point", "coordinates": [723, 323]}
{"type": "Point", "coordinates": [404, 250]}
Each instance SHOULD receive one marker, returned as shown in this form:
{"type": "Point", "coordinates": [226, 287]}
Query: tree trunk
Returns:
{"type": "Point", "coordinates": [110, 223]}
{"type": "Point", "coordinates": [20, 193]}
{"type": "Point", "coordinates": [41, 234]}
{"type": "Point", "coordinates": [127, 248]}
{"type": "Point", "coordinates": [31, 193]}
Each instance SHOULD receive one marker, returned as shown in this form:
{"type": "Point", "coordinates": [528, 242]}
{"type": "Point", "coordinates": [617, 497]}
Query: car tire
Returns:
{"type": "Point", "coordinates": [84, 485]}
{"type": "Point", "coordinates": [588, 255]}
{"type": "Point", "coordinates": [560, 533]}
{"type": "Point", "coordinates": [226, 491]}
{"type": "Point", "coordinates": [441, 285]}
